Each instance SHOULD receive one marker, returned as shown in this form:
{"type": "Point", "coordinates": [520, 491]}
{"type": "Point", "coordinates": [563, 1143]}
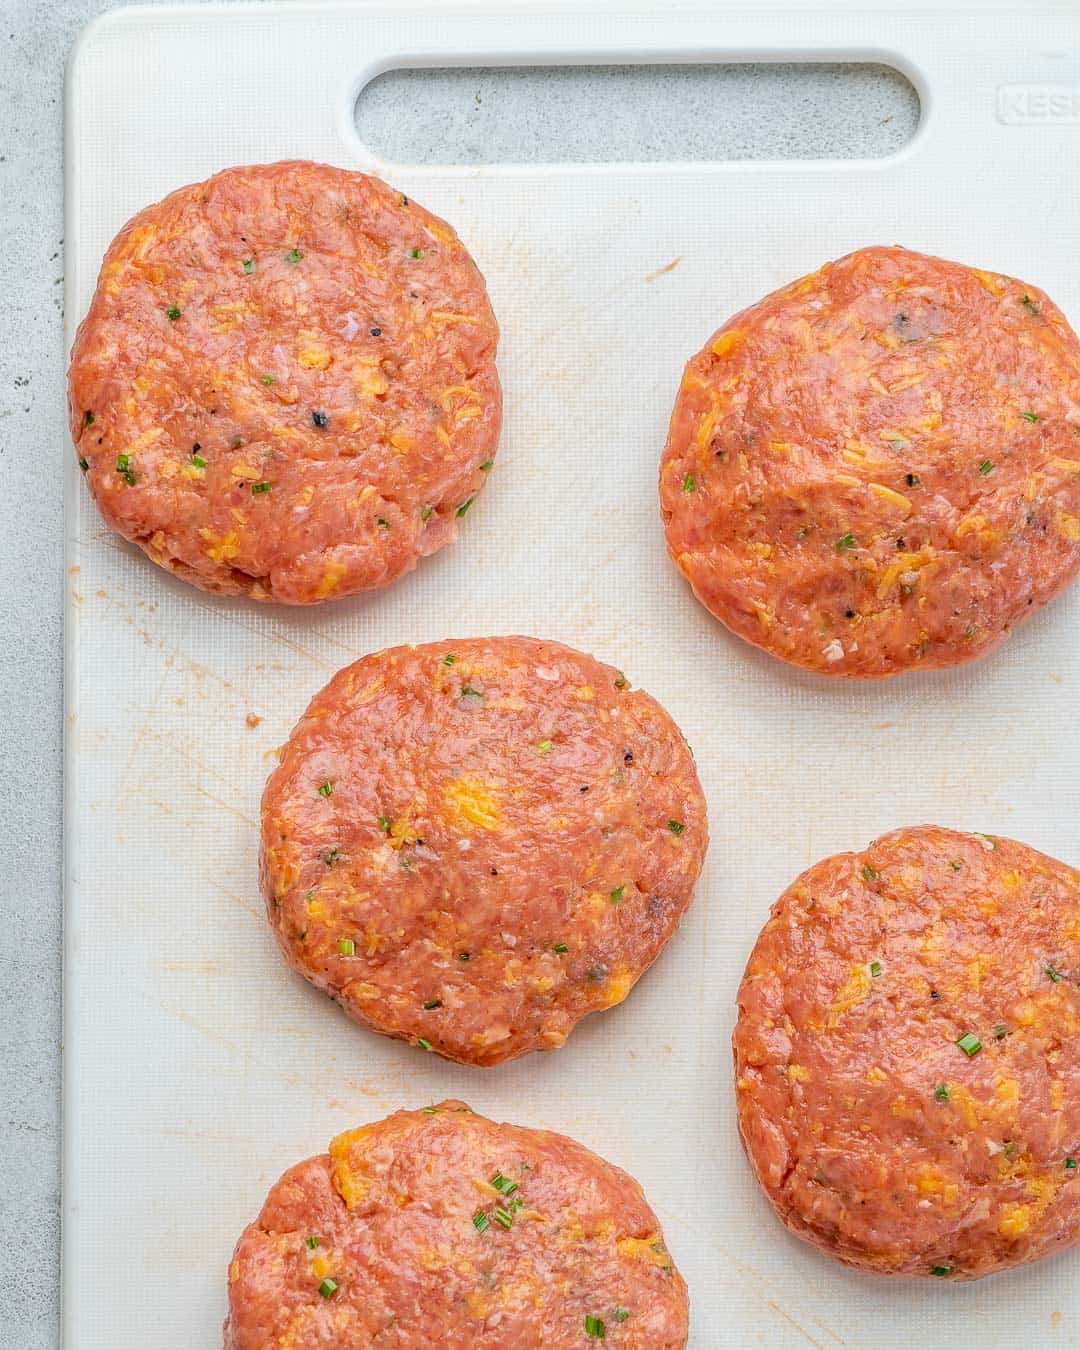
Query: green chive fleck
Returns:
{"type": "Point", "coordinates": [465, 505]}
{"type": "Point", "coordinates": [384, 824]}
{"type": "Point", "coordinates": [1030, 416]}
{"type": "Point", "coordinates": [868, 873]}
{"type": "Point", "coordinates": [327, 788]}
{"type": "Point", "coordinates": [383, 523]}
{"type": "Point", "coordinates": [425, 512]}
{"type": "Point", "coordinates": [449, 659]}
{"type": "Point", "coordinates": [617, 894]}
{"type": "Point", "coordinates": [248, 265]}
{"type": "Point", "coordinates": [173, 313]}
{"type": "Point", "coordinates": [986, 468]}
{"type": "Point", "coordinates": [481, 1222]}
{"type": "Point", "coordinates": [594, 1327]}
{"type": "Point", "coordinates": [620, 680]}
{"type": "Point", "coordinates": [1070, 1163]}
{"type": "Point", "coordinates": [84, 464]}
{"type": "Point", "coordinates": [1030, 304]}
{"type": "Point", "coordinates": [430, 1110]}
{"type": "Point", "coordinates": [88, 419]}
{"type": "Point", "coordinates": [487, 464]}
{"type": "Point", "coordinates": [875, 969]}
{"type": "Point", "coordinates": [346, 946]}
{"type": "Point", "coordinates": [467, 691]}
{"type": "Point", "coordinates": [941, 1270]}
{"type": "Point", "coordinates": [432, 1003]}
{"type": "Point", "coordinates": [619, 1313]}
{"type": "Point", "coordinates": [464, 956]}
{"type": "Point", "coordinates": [417, 253]}
{"type": "Point", "coordinates": [689, 483]}
{"type": "Point", "coordinates": [294, 255]}
{"type": "Point", "coordinates": [503, 1217]}
{"type": "Point", "coordinates": [941, 1092]}
{"type": "Point", "coordinates": [1000, 1031]}
{"type": "Point", "coordinates": [331, 856]}
{"type": "Point", "coordinates": [845, 541]}
{"type": "Point", "coordinates": [423, 1043]}
{"type": "Point", "coordinates": [676, 827]}
{"type": "Point", "coordinates": [269, 379]}
{"type": "Point", "coordinates": [124, 469]}
{"type": "Point", "coordinates": [503, 1184]}
{"type": "Point", "coordinates": [198, 461]}
{"type": "Point", "coordinates": [312, 1242]}
{"type": "Point", "coordinates": [971, 1045]}
{"type": "Point", "coordinates": [544, 747]}
{"type": "Point", "coordinates": [328, 1288]}
{"type": "Point", "coordinates": [1052, 974]}
{"type": "Point", "coordinates": [561, 948]}
{"type": "Point", "coordinates": [260, 487]}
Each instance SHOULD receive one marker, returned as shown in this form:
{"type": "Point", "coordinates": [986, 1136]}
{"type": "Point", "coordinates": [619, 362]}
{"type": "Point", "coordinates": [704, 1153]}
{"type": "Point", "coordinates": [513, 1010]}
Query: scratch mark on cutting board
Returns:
{"type": "Point", "coordinates": [276, 635]}
{"type": "Point", "coordinates": [607, 299]}
{"type": "Point", "coordinates": [300, 649]}
{"type": "Point", "coordinates": [791, 1322]}
{"type": "Point", "coordinates": [667, 267]}
{"type": "Point", "coordinates": [673, 1220]}
{"type": "Point", "coordinates": [236, 899]}
{"type": "Point", "coordinates": [215, 1136]}
{"type": "Point", "coordinates": [177, 749]}
{"type": "Point", "coordinates": [209, 1032]}
{"type": "Point", "coordinates": [228, 806]}
{"type": "Point", "coordinates": [141, 733]}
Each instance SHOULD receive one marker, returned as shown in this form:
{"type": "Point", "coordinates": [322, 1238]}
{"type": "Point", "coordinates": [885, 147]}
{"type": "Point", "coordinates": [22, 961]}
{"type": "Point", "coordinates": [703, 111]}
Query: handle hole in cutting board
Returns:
{"type": "Point", "coordinates": [598, 114]}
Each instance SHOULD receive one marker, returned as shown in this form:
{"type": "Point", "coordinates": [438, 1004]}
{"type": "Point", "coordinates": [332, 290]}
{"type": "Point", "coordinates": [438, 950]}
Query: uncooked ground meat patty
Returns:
{"type": "Point", "coordinates": [285, 385]}
{"type": "Point", "coordinates": [439, 1228]}
{"type": "Point", "coordinates": [908, 1055]}
{"type": "Point", "coordinates": [474, 843]}
{"type": "Point", "coordinates": [878, 467]}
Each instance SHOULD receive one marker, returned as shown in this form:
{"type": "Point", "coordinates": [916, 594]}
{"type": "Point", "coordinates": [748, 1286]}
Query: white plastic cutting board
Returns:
{"type": "Point", "coordinates": [196, 1067]}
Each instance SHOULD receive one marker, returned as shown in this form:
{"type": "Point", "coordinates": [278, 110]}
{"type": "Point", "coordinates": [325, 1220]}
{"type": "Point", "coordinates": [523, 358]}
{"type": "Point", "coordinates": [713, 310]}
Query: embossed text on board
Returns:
{"type": "Point", "coordinates": [1039, 104]}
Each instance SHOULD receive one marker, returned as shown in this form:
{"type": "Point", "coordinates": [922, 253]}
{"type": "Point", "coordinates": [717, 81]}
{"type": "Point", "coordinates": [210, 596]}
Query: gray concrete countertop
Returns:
{"type": "Point", "coordinates": [35, 36]}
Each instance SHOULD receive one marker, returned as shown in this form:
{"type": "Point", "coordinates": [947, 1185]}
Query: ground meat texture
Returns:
{"type": "Point", "coordinates": [907, 1055]}
{"type": "Point", "coordinates": [285, 385]}
{"type": "Point", "coordinates": [440, 1228]}
{"type": "Point", "coordinates": [473, 844]}
{"type": "Point", "coordinates": [877, 468]}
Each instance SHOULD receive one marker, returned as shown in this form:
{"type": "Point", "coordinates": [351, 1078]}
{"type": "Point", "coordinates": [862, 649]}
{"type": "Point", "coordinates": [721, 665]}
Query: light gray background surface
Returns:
{"type": "Point", "coordinates": [35, 36]}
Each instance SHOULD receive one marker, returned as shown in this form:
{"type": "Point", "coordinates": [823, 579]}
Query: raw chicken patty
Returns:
{"type": "Point", "coordinates": [474, 843]}
{"type": "Point", "coordinates": [285, 385]}
{"type": "Point", "coordinates": [907, 1055]}
{"type": "Point", "coordinates": [440, 1228]}
{"type": "Point", "coordinates": [877, 468]}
